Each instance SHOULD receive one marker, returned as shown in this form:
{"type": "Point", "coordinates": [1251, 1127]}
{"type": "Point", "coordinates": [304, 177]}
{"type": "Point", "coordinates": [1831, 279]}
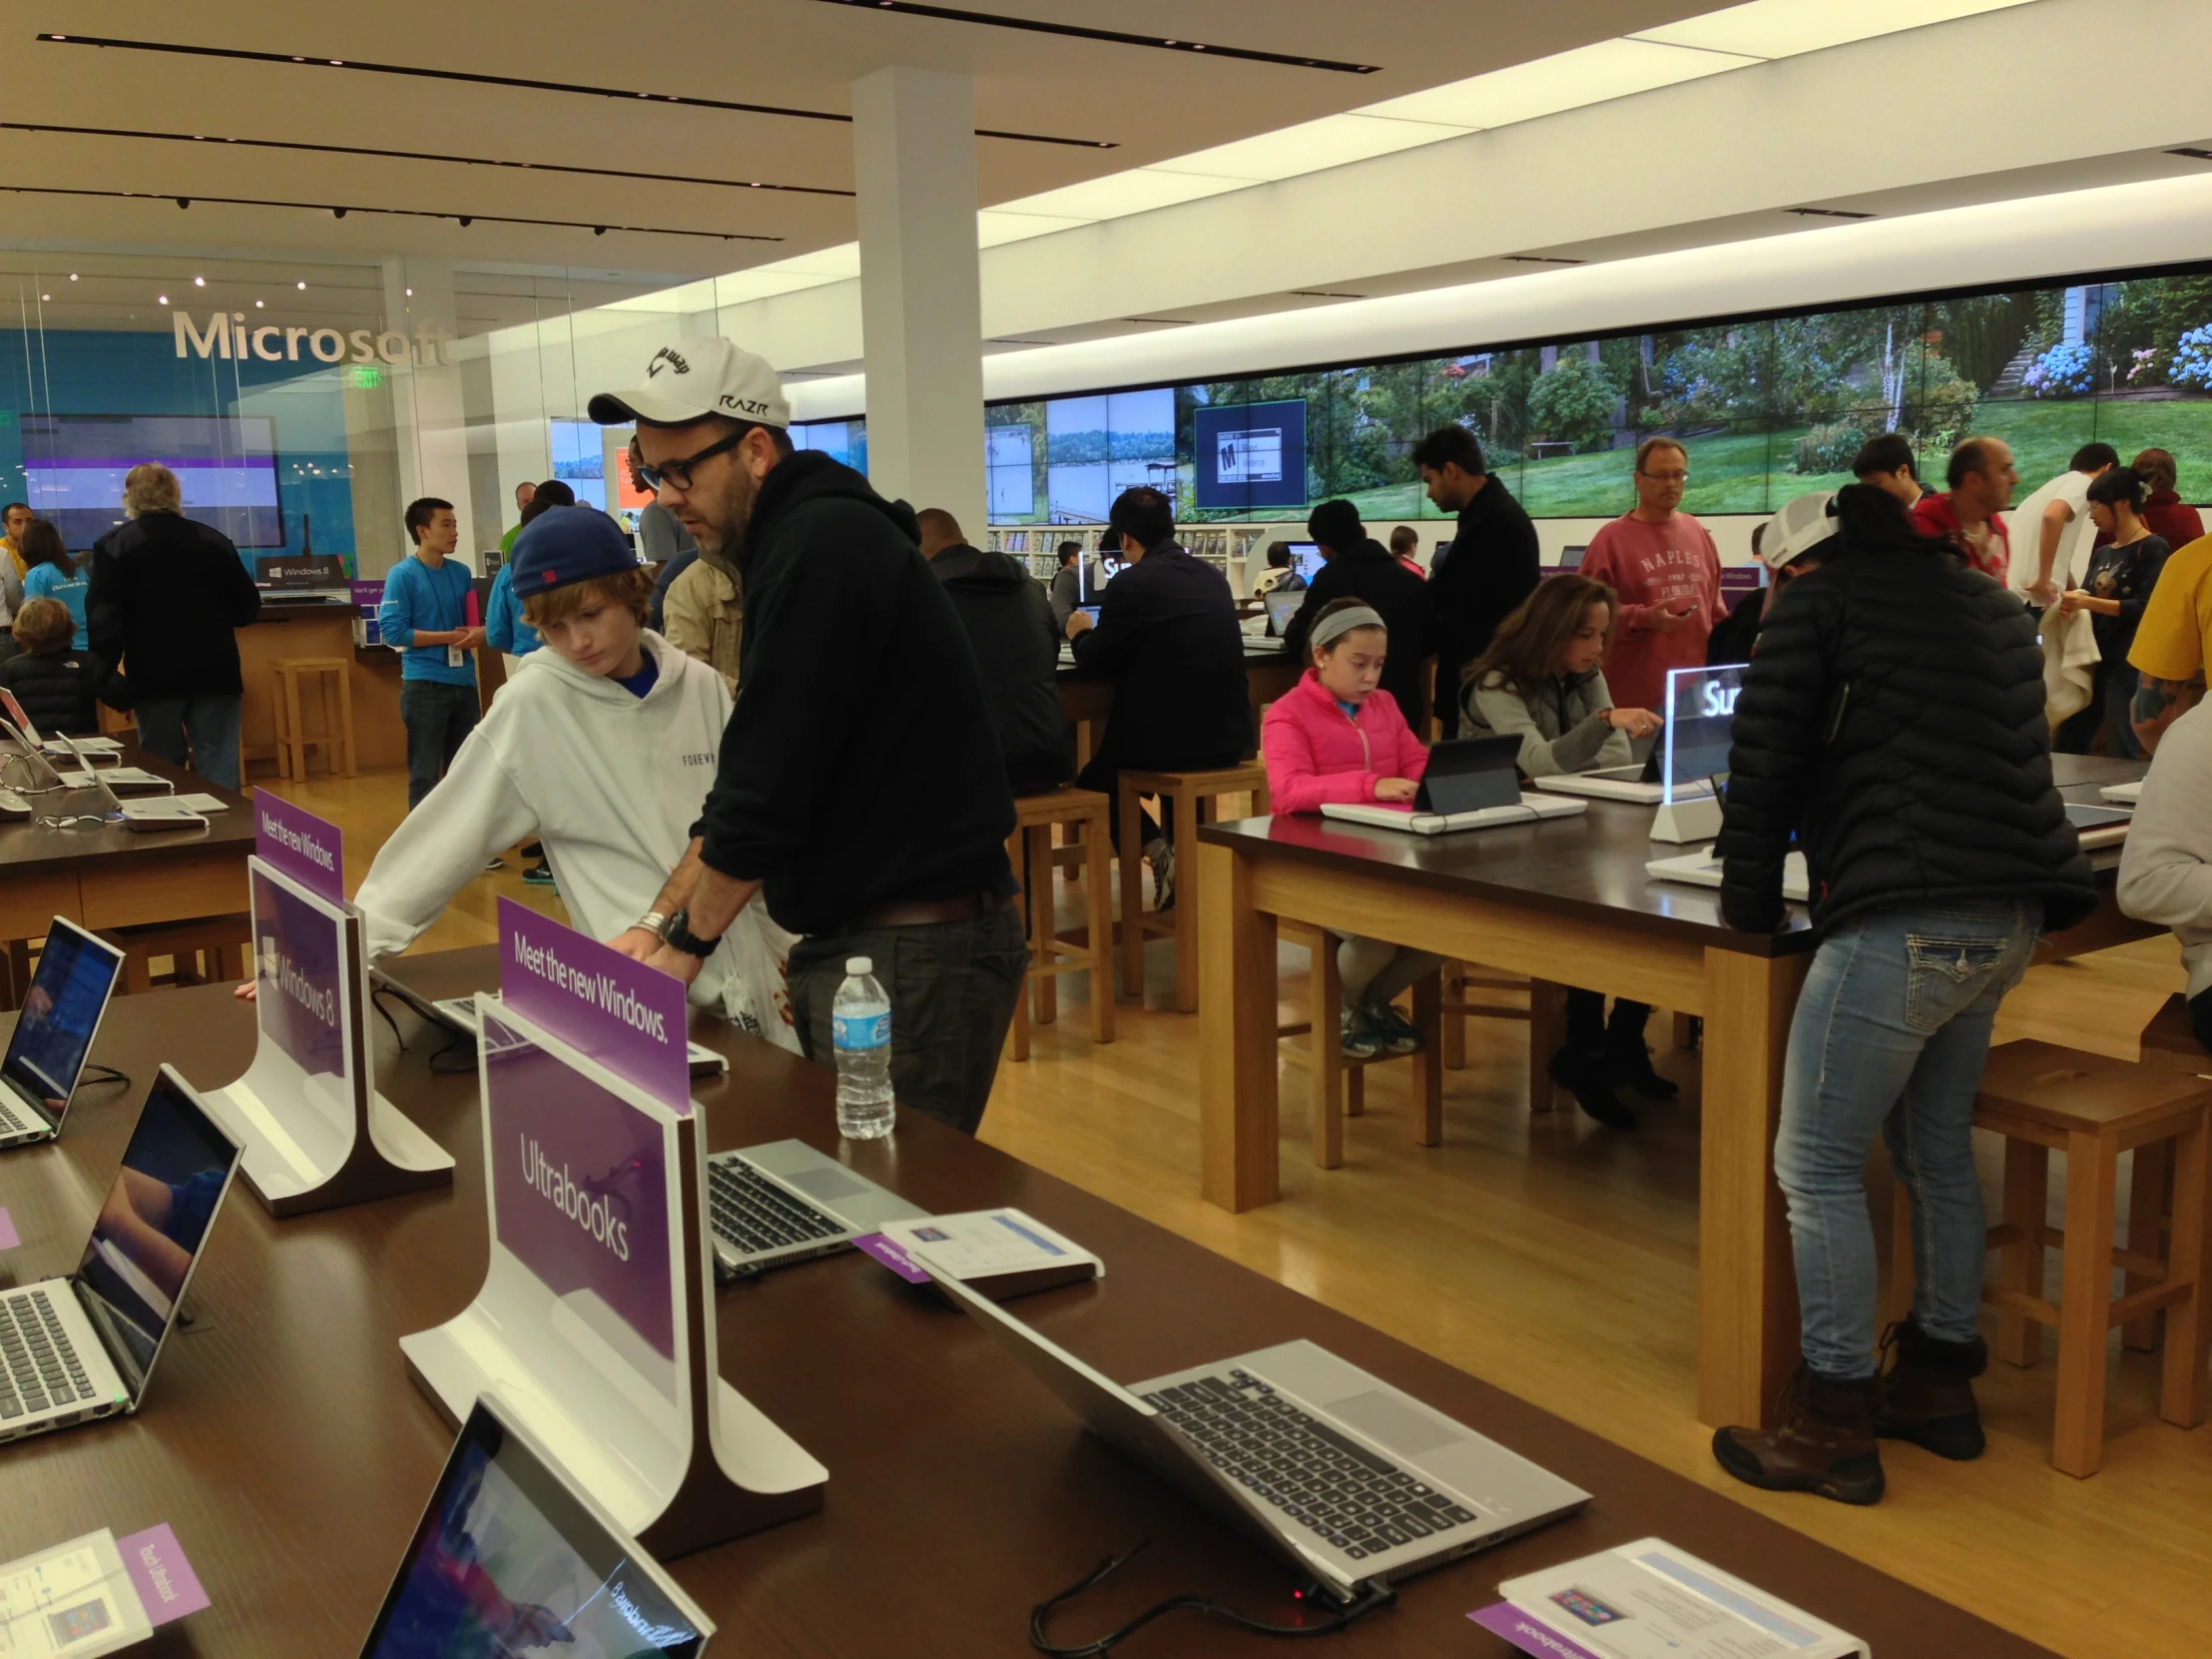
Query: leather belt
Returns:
{"type": "Point", "coordinates": [923, 912]}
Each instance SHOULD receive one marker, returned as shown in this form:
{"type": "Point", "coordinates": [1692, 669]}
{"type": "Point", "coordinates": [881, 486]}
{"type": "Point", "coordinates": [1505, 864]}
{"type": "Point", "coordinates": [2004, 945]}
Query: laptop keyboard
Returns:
{"type": "Point", "coordinates": [754, 1215]}
{"type": "Point", "coordinates": [11, 1121]}
{"type": "Point", "coordinates": [1322, 1480]}
{"type": "Point", "coordinates": [38, 1368]}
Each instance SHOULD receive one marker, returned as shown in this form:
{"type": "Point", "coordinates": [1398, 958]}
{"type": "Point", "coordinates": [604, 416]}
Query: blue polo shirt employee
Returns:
{"type": "Point", "coordinates": [425, 617]}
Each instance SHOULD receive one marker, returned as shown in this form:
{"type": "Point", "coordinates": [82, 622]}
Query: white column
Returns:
{"type": "Point", "coordinates": [913, 138]}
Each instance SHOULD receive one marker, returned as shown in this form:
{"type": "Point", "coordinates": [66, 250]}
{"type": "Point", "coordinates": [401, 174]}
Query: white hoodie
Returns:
{"type": "Point", "coordinates": [612, 785]}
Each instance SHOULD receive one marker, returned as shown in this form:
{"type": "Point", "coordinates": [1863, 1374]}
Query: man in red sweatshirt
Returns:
{"type": "Point", "coordinates": [1663, 565]}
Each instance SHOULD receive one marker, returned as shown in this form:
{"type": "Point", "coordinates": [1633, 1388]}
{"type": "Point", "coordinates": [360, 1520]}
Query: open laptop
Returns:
{"type": "Point", "coordinates": [1352, 1481]}
{"type": "Point", "coordinates": [78, 1349]}
{"type": "Point", "coordinates": [782, 1202]}
{"type": "Point", "coordinates": [105, 748]}
{"type": "Point", "coordinates": [513, 1556]}
{"type": "Point", "coordinates": [61, 1017]}
{"type": "Point", "coordinates": [458, 1013]}
{"type": "Point", "coordinates": [133, 815]}
{"type": "Point", "coordinates": [1281, 607]}
{"type": "Point", "coordinates": [1470, 783]}
{"type": "Point", "coordinates": [1305, 559]}
{"type": "Point", "coordinates": [1641, 781]}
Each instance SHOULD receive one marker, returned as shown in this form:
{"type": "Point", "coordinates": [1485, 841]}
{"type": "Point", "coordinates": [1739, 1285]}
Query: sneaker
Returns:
{"type": "Point", "coordinates": [1927, 1392]}
{"type": "Point", "coordinates": [1359, 1037]}
{"type": "Point", "coordinates": [1399, 1036]}
{"type": "Point", "coordinates": [539, 876]}
{"type": "Point", "coordinates": [1630, 1063]}
{"type": "Point", "coordinates": [496, 863]}
{"type": "Point", "coordinates": [1824, 1444]}
{"type": "Point", "coordinates": [1161, 855]}
{"type": "Point", "coordinates": [1585, 1074]}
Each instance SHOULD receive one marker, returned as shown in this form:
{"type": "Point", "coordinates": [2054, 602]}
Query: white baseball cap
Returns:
{"type": "Point", "coordinates": [693, 379]}
{"type": "Point", "coordinates": [1802, 525]}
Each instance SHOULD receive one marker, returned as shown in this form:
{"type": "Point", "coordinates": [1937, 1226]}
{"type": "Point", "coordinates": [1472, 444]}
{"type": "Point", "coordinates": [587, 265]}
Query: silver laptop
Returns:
{"type": "Point", "coordinates": [1357, 1482]}
{"type": "Point", "coordinates": [783, 1202]}
{"type": "Point", "coordinates": [513, 1556]}
{"type": "Point", "coordinates": [78, 1349]}
{"type": "Point", "coordinates": [132, 780]}
{"type": "Point", "coordinates": [458, 1013]}
{"type": "Point", "coordinates": [60, 1019]}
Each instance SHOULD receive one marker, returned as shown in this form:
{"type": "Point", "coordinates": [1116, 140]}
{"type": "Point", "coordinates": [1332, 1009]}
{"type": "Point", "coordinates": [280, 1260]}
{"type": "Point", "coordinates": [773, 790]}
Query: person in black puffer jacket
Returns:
{"type": "Point", "coordinates": [58, 686]}
{"type": "Point", "coordinates": [1892, 720]}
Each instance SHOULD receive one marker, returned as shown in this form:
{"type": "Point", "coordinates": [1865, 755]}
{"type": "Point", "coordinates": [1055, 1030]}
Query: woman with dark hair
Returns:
{"type": "Point", "coordinates": [2114, 590]}
{"type": "Point", "coordinates": [2168, 516]}
{"type": "Point", "coordinates": [1893, 724]}
{"type": "Point", "coordinates": [50, 573]}
{"type": "Point", "coordinates": [1541, 681]}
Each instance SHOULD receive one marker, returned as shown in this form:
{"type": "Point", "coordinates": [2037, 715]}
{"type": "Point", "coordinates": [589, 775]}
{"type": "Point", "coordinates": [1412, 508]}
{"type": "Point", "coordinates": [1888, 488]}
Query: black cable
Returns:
{"type": "Point", "coordinates": [457, 1058]}
{"type": "Point", "coordinates": [1373, 1597]}
{"type": "Point", "coordinates": [107, 1074]}
{"type": "Point", "coordinates": [376, 1000]}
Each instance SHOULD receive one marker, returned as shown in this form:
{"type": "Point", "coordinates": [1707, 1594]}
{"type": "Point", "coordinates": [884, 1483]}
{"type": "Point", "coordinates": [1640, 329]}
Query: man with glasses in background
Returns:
{"type": "Point", "coordinates": [1663, 565]}
{"type": "Point", "coordinates": [858, 789]}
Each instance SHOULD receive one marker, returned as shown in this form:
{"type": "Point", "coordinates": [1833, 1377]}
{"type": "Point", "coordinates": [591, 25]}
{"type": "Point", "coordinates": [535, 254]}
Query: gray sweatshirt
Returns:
{"type": "Point", "coordinates": [1561, 725]}
{"type": "Point", "coordinates": [2166, 864]}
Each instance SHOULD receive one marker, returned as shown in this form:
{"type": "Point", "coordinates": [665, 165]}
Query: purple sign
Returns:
{"type": "Point", "coordinates": [892, 1256]}
{"type": "Point", "coordinates": [167, 1586]}
{"type": "Point", "coordinates": [627, 1016]}
{"type": "Point", "coordinates": [295, 965]}
{"type": "Point", "coordinates": [580, 1186]}
{"type": "Point", "coordinates": [1504, 1619]}
{"type": "Point", "coordinates": [306, 847]}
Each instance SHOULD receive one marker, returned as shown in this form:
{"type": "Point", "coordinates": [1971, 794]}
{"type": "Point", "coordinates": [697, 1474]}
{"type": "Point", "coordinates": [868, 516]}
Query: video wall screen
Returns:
{"type": "Point", "coordinates": [73, 466]}
{"type": "Point", "coordinates": [1766, 407]}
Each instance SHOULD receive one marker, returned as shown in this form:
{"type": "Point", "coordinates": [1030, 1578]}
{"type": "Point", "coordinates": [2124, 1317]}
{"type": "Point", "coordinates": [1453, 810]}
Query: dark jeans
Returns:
{"type": "Point", "coordinates": [1104, 776]}
{"type": "Point", "coordinates": [439, 718]}
{"type": "Point", "coordinates": [951, 987]}
{"type": "Point", "coordinates": [205, 726]}
{"type": "Point", "coordinates": [1587, 1026]}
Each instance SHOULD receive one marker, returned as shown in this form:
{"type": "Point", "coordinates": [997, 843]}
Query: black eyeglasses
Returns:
{"type": "Point", "coordinates": [678, 473]}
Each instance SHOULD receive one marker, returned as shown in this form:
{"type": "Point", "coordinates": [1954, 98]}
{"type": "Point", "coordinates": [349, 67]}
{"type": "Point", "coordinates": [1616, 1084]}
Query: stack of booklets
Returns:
{"type": "Point", "coordinates": [1000, 1252]}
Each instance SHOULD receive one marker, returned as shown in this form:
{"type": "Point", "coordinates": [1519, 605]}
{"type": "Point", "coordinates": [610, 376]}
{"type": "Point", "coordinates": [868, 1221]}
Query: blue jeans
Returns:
{"type": "Point", "coordinates": [1891, 1037]}
{"type": "Point", "coordinates": [439, 718]}
{"type": "Point", "coordinates": [205, 726]}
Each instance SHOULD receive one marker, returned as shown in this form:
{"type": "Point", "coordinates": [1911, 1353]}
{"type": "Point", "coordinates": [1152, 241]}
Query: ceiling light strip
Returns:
{"type": "Point", "coordinates": [474, 78]}
{"type": "Point", "coordinates": [185, 199]}
{"type": "Point", "coordinates": [416, 155]}
{"type": "Point", "coordinates": [1115, 37]}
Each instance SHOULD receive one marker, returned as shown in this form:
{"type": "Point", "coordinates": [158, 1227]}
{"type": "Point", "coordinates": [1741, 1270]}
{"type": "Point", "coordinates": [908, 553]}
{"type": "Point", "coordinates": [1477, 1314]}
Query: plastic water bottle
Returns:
{"type": "Point", "coordinates": [861, 1027]}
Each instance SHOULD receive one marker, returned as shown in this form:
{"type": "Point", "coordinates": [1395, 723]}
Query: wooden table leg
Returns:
{"type": "Point", "coordinates": [2084, 1306]}
{"type": "Point", "coordinates": [1045, 924]}
{"type": "Point", "coordinates": [1547, 1031]}
{"type": "Point", "coordinates": [1325, 1044]}
{"type": "Point", "coordinates": [1098, 906]}
{"type": "Point", "coordinates": [2181, 1396]}
{"type": "Point", "coordinates": [1132, 894]}
{"type": "Point", "coordinates": [1747, 1293]}
{"type": "Point", "coordinates": [1453, 1028]}
{"type": "Point", "coordinates": [1237, 1062]}
{"type": "Point", "coordinates": [1428, 1062]}
{"type": "Point", "coordinates": [1191, 812]}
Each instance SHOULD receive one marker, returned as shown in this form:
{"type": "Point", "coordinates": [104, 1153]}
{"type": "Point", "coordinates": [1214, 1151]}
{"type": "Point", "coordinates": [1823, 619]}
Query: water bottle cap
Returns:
{"type": "Point", "coordinates": [859, 967]}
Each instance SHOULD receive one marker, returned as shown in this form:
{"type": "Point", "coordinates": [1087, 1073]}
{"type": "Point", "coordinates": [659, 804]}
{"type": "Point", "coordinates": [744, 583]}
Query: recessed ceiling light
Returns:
{"type": "Point", "coordinates": [410, 293]}
{"type": "Point", "coordinates": [257, 304]}
{"type": "Point", "coordinates": [200, 282]}
{"type": "Point", "coordinates": [302, 285]}
{"type": "Point", "coordinates": [46, 296]}
{"type": "Point", "coordinates": [161, 299]}
{"type": "Point", "coordinates": [72, 276]}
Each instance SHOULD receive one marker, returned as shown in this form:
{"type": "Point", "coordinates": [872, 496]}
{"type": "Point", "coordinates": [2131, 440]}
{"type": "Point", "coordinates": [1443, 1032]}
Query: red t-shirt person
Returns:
{"type": "Point", "coordinates": [1670, 567]}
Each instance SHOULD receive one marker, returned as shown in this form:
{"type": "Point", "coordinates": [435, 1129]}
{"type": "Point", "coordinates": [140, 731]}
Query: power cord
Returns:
{"type": "Point", "coordinates": [106, 1074]}
{"type": "Point", "coordinates": [1376, 1596]}
{"type": "Point", "coordinates": [377, 1001]}
{"type": "Point", "coordinates": [457, 1058]}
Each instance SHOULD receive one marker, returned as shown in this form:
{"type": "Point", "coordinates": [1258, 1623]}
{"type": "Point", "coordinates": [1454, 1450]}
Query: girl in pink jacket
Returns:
{"type": "Point", "coordinates": [1336, 737]}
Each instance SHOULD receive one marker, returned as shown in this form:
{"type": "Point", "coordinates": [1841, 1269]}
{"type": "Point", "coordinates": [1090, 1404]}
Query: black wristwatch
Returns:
{"type": "Point", "coordinates": [683, 938]}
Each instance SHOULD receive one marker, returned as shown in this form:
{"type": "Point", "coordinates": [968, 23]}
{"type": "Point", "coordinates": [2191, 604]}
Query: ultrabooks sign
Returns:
{"type": "Point", "coordinates": [227, 335]}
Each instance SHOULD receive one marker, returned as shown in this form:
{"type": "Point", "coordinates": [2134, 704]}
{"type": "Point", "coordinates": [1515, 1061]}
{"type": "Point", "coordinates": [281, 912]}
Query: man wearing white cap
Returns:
{"type": "Point", "coordinates": [1787, 544]}
{"type": "Point", "coordinates": [858, 789]}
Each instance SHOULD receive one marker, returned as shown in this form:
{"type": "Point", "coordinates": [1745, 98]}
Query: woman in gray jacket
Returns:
{"type": "Point", "coordinates": [1541, 682]}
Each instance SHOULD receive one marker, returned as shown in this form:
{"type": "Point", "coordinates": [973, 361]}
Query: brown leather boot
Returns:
{"type": "Point", "coordinates": [1928, 1392]}
{"type": "Point", "coordinates": [1823, 1443]}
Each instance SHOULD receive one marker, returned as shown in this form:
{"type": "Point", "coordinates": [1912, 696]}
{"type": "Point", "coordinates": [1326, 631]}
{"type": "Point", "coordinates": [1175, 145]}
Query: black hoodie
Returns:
{"type": "Point", "coordinates": [858, 767]}
{"type": "Point", "coordinates": [1008, 617]}
{"type": "Point", "coordinates": [1371, 574]}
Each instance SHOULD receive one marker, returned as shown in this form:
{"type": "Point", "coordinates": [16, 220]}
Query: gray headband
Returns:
{"type": "Point", "coordinates": [1342, 622]}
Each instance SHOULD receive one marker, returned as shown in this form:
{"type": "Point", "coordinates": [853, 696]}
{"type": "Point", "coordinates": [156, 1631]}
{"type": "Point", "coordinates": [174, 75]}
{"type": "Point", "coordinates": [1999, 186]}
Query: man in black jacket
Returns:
{"type": "Point", "coordinates": [1356, 566]}
{"type": "Point", "coordinates": [166, 597]}
{"type": "Point", "coordinates": [858, 789]}
{"type": "Point", "coordinates": [1009, 620]}
{"type": "Point", "coordinates": [1491, 567]}
{"type": "Point", "coordinates": [1166, 636]}
{"type": "Point", "coordinates": [1893, 721]}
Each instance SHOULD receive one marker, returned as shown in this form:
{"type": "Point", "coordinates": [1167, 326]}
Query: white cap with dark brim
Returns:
{"type": "Point", "coordinates": [693, 378]}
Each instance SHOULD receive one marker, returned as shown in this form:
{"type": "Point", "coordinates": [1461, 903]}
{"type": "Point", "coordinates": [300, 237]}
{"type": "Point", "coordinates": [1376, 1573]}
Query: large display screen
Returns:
{"type": "Point", "coordinates": [1250, 455]}
{"type": "Point", "coordinates": [73, 466]}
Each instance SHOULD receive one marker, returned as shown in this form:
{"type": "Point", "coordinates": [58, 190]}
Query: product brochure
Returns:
{"type": "Point", "coordinates": [1001, 1252]}
{"type": "Point", "coordinates": [1650, 1600]}
{"type": "Point", "coordinates": [95, 1595]}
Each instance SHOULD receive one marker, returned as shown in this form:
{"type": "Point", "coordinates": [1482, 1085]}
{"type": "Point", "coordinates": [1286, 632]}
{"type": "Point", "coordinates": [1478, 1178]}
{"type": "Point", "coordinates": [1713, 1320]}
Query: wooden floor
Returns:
{"type": "Point", "coordinates": [1558, 1261]}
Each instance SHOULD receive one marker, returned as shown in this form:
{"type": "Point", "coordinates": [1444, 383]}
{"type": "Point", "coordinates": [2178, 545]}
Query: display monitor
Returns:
{"type": "Point", "coordinates": [1700, 716]}
{"type": "Point", "coordinates": [1249, 454]}
{"type": "Point", "coordinates": [74, 468]}
{"type": "Point", "coordinates": [1305, 559]}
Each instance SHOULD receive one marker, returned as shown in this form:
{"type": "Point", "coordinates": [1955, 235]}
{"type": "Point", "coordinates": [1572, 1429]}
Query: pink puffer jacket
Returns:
{"type": "Point", "coordinates": [1315, 752]}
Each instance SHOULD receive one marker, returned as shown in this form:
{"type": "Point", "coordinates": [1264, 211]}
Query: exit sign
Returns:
{"type": "Point", "coordinates": [364, 376]}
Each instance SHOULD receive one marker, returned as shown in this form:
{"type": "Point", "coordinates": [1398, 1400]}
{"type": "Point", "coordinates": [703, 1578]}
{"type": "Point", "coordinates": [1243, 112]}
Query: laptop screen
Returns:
{"type": "Point", "coordinates": [52, 1037]}
{"type": "Point", "coordinates": [506, 1561]}
{"type": "Point", "coordinates": [1306, 560]}
{"type": "Point", "coordinates": [151, 1227]}
{"type": "Point", "coordinates": [1281, 608]}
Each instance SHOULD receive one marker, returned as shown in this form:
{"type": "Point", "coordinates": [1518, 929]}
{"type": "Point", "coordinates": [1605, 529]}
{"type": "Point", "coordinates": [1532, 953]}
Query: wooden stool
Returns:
{"type": "Point", "coordinates": [1458, 979]}
{"type": "Point", "coordinates": [2171, 1041]}
{"type": "Point", "coordinates": [1052, 954]}
{"type": "Point", "coordinates": [209, 951]}
{"type": "Point", "coordinates": [2043, 1098]}
{"type": "Point", "coordinates": [337, 737]}
{"type": "Point", "coordinates": [1188, 796]}
{"type": "Point", "coordinates": [1340, 1083]}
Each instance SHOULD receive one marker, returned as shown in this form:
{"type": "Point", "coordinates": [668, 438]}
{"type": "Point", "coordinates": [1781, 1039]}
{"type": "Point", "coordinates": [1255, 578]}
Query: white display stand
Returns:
{"type": "Point", "coordinates": [1695, 818]}
{"type": "Point", "coordinates": [316, 1132]}
{"type": "Point", "coordinates": [1701, 711]}
{"type": "Point", "coordinates": [676, 1456]}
